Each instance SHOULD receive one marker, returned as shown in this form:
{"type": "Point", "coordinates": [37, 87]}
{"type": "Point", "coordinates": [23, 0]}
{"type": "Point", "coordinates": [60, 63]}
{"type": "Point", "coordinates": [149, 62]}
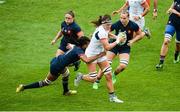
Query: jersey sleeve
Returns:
{"type": "Point", "coordinates": [62, 25]}
{"type": "Point", "coordinates": [135, 27]}
{"type": "Point", "coordinates": [80, 52]}
{"type": "Point", "coordinates": [76, 28]}
{"type": "Point", "coordinates": [102, 34]}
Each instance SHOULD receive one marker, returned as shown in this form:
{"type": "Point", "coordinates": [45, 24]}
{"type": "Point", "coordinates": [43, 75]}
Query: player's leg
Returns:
{"type": "Point", "coordinates": [145, 30]}
{"type": "Point", "coordinates": [65, 78]}
{"type": "Point", "coordinates": [62, 48]}
{"type": "Point", "coordinates": [106, 69]}
{"type": "Point", "coordinates": [91, 77]}
{"type": "Point", "coordinates": [50, 78]}
{"type": "Point", "coordinates": [110, 56]}
{"type": "Point", "coordinates": [124, 60]}
{"type": "Point", "coordinates": [177, 50]}
{"type": "Point", "coordinates": [170, 30]}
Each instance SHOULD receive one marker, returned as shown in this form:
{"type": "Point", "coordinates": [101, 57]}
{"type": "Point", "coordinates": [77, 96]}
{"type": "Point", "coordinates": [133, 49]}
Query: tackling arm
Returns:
{"type": "Point", "coordinates": [93, 58]}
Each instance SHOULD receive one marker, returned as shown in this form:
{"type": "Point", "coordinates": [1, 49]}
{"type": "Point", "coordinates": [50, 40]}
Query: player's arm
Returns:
{"type": "Point", "coordinates": [146, 8]}
{"type": "Point", "coordinates": [111, 35]}
{"type": "Point", "coordinates": [125, 6]}
{"type": "Point", "coordinates": [86, 59]}
{"type": "Point", "coordinates": [172, 10]}
{"type": "Point", "coordinates": [80, 34]}
{"type": "Point", "coordinates": [107, 45]}
{"type": "Point", "coordinates": [138, 36]}
{"type": "Point", "coordinates": [59, 35]}
{"type": "Point", "coordinates": [155, 4]}
{"type": "Point", "coordinates": [155, 9]}
{"type": "Point", "coordinates": [171, 7]}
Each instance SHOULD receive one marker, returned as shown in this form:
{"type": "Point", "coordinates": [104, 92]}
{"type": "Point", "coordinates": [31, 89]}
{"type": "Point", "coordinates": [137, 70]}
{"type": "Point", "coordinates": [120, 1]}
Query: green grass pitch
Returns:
{"type": "Point", "coordinates": [26, 30]}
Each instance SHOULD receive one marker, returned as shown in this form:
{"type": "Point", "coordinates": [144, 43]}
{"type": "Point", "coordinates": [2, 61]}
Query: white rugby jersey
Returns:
{"type": "Point", "coordinates": [95, 46]}
{"type": "Point", "coordinates": [135, 7]}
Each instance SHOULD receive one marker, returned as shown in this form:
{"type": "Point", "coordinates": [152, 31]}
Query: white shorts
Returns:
{"type": "Point", "coordinates": [140, 22]}
{"type": "Point", "coordinates": [101, 59]}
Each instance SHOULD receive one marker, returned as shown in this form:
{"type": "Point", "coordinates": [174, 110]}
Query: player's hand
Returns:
{"type": "Point", "coordinates": [53, 42]}
{"type": "Point", "coordinates": [169, 11]}
{"type": "Point", "coordinates": [114, 12]}
{"type": "Point", "coordinates": [130, 43]}
{"type": "Point", "coordinates": [70, 46]}
{"type": "Point", "coordinates": [136, 18]}
{"type": "Point", "coordinates": [154, 15]}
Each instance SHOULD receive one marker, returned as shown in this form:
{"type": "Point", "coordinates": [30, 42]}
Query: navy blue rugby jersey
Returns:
{"type": "Point", "coordinates": [175, 19]}
{"type": "Point", "coordinates": [129, 29]}
{"type": "Point", "coordinates": [70, 56]}
{"type": "Point", "coordinates": [70, 32]}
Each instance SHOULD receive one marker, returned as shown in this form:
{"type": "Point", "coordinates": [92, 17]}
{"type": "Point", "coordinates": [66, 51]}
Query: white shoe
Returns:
{"type": "Point", "coordinates": [115, 99]}
{"type": "Point", "coordinates": [78, 79]}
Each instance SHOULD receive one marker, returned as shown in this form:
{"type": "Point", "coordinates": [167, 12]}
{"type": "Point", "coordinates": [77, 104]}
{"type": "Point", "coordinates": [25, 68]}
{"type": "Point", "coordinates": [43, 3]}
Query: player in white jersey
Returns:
{"type": "Point", "coordinates": [99, 42]}
{"type": "Point", "coordinates": [137, 10]}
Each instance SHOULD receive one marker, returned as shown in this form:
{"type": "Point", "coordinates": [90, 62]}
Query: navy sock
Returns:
{"type": "Point", "coordinates": [161, 59]}
{"type": "Point", "coordinates": [112, 94]}
{"type": "Point", "coordinates": [33, 85]}
{"type": "Point", "coordinates": [176, 54]}
{"type": "Point", "coordinates": [36, 85]}
{"type": "Point", "coordinates": [65, 84]}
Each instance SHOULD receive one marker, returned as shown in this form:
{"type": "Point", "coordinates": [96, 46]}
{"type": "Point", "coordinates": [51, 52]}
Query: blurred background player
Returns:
{"type": "Point", "coordinates": [123, 51]}
{"type": "Point", "coordinates": [59, 65]}
{"type": "Point", "coordinates": [172, 26]}
{"type": "Point", "coordinates": [137, 10]}
{"type": "Point", "coordinates": [99, 43]}
{"type": "Point", "coordinates": [71, 32]}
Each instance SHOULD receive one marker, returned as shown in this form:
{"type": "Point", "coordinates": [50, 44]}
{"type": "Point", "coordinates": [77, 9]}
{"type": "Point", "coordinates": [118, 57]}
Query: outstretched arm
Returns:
{"type": "Point", "coordinates": [125, 6]}
{"type": "Point", "coordinates": [91, 59]}
{"type": "Point", "coordinates": [59, 35]}
{"type": "Point", "coordinates": [139, 35]}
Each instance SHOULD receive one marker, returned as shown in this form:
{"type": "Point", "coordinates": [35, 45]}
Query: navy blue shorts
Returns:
{"type": "Point", "coordinates": [120, 49]}
{"type": "Point", "coordinates": [55, 67]}
{"type": "Point", "coordinates": [63, 45]}
{"type": "Point", "coordinates": [170, 31]}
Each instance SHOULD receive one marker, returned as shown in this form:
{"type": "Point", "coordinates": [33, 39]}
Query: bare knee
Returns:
{"type": "Point", "coordinates": [166, 42]}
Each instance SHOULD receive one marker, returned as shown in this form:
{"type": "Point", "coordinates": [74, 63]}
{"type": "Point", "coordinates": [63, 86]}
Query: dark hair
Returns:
{"type": "Point", "coordinates": [125, 12]}
{"type": "Point", "coordinates": [83, 40]}
{"type": "Point", "coordinates": [102, 20]}
{"type": "Point", "coordinates": [71, 13]}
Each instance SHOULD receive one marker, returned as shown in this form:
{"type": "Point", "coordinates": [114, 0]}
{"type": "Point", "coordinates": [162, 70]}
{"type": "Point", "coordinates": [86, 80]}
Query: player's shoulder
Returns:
{"type": "Point", "coordinates": [75, 25]}
{"type": "Point", "coordinates": [63, 23]}
{"type": "Point", "coordinates": [132, 23]}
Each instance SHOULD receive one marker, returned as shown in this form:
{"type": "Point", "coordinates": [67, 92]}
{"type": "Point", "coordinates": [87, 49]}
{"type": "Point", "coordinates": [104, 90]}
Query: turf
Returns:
{"type": "Point", "coordinates": [26, 30]}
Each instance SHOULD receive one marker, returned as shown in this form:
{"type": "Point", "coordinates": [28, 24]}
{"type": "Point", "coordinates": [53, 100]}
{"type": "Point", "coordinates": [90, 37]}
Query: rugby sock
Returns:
{"type": "Point", "coordinates": [111, 94]}
{"type": "Point", "coordinates": [97, 81]}
{"type": "Point", "coordinates": [37, 84]}
{"type": "Point", "coordinates": [176, 54]}
{"type": "Point", "coordinates": [65, 84]}
{"type": "Point", "coordinates": [161, 59]}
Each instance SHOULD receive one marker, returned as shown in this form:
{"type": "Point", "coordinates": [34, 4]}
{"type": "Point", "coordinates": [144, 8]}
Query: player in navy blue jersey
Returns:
{"type": "Point", "coordinates": [172, 26]}
{"type": "Point", "coordinates": [71, 32]}
{"type": "Point", "coordinates": [58, 65]}
{"type": "Point", "coordinates": [129, 28]}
